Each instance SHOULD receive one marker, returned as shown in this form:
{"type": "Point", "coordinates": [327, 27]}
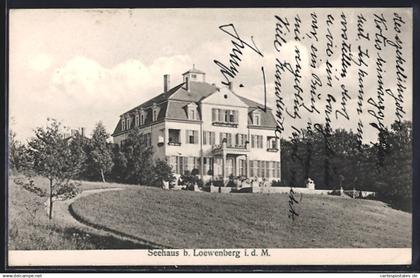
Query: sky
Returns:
{"type": "Point", "coordinates": [85, 66]}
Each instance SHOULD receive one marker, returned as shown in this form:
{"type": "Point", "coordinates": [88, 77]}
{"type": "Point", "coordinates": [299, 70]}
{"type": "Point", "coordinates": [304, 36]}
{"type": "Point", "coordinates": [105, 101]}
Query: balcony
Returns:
{"type": "Point", "coordinates": [235, 149]}
{"type": "Point", "coordinates": [225, 124]}
{"type": "Point", "coordinates": [174, 137]}
{"type": "Point", "coordinates": [174, 143]}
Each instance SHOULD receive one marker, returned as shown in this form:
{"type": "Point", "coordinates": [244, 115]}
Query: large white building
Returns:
{"type": "Point", "coordinates": [196, 125]}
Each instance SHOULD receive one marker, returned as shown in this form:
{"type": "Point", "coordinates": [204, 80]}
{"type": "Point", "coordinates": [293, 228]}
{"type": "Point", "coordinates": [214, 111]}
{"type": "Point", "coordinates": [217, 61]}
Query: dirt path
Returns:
{"type": "Point", "coordinates": [63, 215]}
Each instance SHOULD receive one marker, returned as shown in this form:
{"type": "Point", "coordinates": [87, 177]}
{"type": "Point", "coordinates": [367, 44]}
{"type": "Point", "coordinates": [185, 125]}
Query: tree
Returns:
{"type": "Point", "coordinates": [100, 151]}
{"type": "Point", "coordinates": [119, 170]}
{"type": "Point", "coordinates": [394, 172]}
{"type": "Point", "coordinates": [138, 153]}
{"type": "Point", "coordinates": [162, 172]}
{"type": "Point", "coordinates": [55, 158]}
{"type": "Point", "coordinates": [18, 155]}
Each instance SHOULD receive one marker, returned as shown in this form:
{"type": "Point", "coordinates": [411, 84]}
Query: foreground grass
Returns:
{"type": "Point", "coordinates": [210, 220]}
{"type": "Point", "coordinates": [30, 228]}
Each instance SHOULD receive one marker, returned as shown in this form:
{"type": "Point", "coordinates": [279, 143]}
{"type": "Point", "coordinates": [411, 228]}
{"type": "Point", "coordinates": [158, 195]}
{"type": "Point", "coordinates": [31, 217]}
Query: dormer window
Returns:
{"type": "Point", "coordinates": [142, 116]}
{"type": "Point", "coordinates": [137, 120]}
{"type": "Point", "coordinates": [192, 111]}
{"type": "Point", "coordinates": [128, 123]}
{"type": "Point", "coordinates": [155, 112]}
{"type": "Point", "coordinates": [123, 124]}
{"type": "Point", "coordinates": [191, 114]}
{"type": "Point", "coordinates": [256, 118]}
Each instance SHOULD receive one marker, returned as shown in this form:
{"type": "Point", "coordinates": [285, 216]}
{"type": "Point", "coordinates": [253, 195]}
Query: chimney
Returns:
{"type": "Point", "coordinates": [166, 83]}
{"type": "Point", "coordinates": [82, 130]}
{"type": "Point", "coordinates": [187, 84]}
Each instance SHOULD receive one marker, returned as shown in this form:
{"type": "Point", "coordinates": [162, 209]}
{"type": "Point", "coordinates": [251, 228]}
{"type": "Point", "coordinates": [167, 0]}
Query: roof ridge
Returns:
{"type": "Point", "coordinates": [257, 104]}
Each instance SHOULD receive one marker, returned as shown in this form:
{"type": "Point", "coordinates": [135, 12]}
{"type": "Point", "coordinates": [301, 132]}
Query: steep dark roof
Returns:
{"type": "Point", "coordinates": [158, 99]}
{"type": "Point", "coordinates": [198, 91]}
{"type": "Point", "coordinates": [172, 105]}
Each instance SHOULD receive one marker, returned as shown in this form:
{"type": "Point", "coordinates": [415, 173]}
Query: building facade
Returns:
{"type": "Point", "coordinates": [196, 125]}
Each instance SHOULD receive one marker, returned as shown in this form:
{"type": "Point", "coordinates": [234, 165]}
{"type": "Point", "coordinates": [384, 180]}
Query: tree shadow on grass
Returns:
{"type": "Point", "coordinates": [84, 240]}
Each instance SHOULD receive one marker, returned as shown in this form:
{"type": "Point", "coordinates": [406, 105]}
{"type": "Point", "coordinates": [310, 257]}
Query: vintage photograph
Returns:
{"type": "Point", "coordinates": [210, 132]}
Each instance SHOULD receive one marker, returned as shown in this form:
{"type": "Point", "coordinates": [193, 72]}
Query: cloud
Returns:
{"type": "Point", "coordinates": [81, 91]}
{"type": "Point", "coordinates": [40, 62]}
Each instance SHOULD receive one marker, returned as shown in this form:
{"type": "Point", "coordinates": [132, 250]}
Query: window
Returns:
{"type": "Point", "coordinates": [228, 137]}
{"type": "Point", "coordinates": [224, 116]}
{"type": "Point", "coordinates": [215, 115]}
{"type": "Point", "coordinates": [209, 138]}
{"type": "Point", "coordinates": [192, 136]}
{"type": "Point", "coordinates": [208, 165]}
{"type": "Point", "coordinates": [128, 123]}
{"type": "Point", "coordinates": [155, 114]}
{"type": "Point", "coordinates": [262, 165]}
{"type": "Point", "coordinates": [147, 139]}
{"type": "Point", "coordinates": [212, 138]}
{"type": "Point", "coordinates": [137, 120]}
{"type": "Point", "coordinates": [205, 133]}
{"type": "Point", "coordinates": [191, 113]}
{"type": "Point", "coordinates": [226, 113]}
{"type": "Point", "coordinates": [241, 139]}
{"type": "Point", "coordinates": [257, 141]}
{"type": "Point", "coordinates": [272, 144]}
{"type": "Point", "coordinates": [123, 124]}
{"type": "Point", "coordinates": [242, 167]}
{"type": "Point", "coordinates": [256, 118]}
{"type": "Point", "coordinates": [174, 138]}
{"type": "Point", "coordinates": [142, 119]}
{"type": "Point", "coordinates": [267, 169]}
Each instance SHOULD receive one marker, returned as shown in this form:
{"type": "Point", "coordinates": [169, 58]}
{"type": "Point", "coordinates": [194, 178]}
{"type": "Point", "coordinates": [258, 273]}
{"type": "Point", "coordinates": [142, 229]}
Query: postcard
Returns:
{"type": "Point", "coordinates": [210, 136]}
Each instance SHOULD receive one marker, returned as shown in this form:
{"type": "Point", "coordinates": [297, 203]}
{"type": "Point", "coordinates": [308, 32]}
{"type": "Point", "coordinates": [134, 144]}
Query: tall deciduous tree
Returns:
{"type": "Point", "coordinates": [101, 153]}
{"type": "Point", "coordinates": [138, 153]}
{"type": "Point", "coordinates": [54, 157]}
{"type": "Point", "coordinates": [18, 155]}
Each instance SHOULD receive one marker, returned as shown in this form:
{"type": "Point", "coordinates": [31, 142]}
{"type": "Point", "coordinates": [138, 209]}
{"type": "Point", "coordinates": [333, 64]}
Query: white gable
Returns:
{"type": "Point", "coordinates": [224, 97]}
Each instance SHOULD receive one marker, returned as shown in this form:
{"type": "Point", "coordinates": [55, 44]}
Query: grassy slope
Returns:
{"type": "Point", "coordinates": [193, 220]}
{"type": "Point", "coordinates": [30, 229]}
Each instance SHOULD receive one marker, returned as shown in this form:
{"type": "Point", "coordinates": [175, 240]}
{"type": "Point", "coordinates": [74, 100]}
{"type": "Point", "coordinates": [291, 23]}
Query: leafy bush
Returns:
{"type": "Point", "coordinates": [190, 180]}
{"type": "Point", "coordinates": [68, 191]}
{"type": "Point", "coordinates": [162, 172]}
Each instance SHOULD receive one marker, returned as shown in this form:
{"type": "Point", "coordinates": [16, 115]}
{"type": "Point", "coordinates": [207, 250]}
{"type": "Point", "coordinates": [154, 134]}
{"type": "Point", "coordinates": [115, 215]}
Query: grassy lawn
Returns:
{"type": "Point", "coordinates": [183, 219]}
{"type": "Point", "coordinates": [30, 228]}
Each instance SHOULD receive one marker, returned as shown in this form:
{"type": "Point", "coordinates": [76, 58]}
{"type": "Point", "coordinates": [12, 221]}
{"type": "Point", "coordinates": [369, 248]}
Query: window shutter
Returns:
{"type": "Point", "coordinates": [186, 137]}
{"type": "Point", "coordinates": [195, 134]}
